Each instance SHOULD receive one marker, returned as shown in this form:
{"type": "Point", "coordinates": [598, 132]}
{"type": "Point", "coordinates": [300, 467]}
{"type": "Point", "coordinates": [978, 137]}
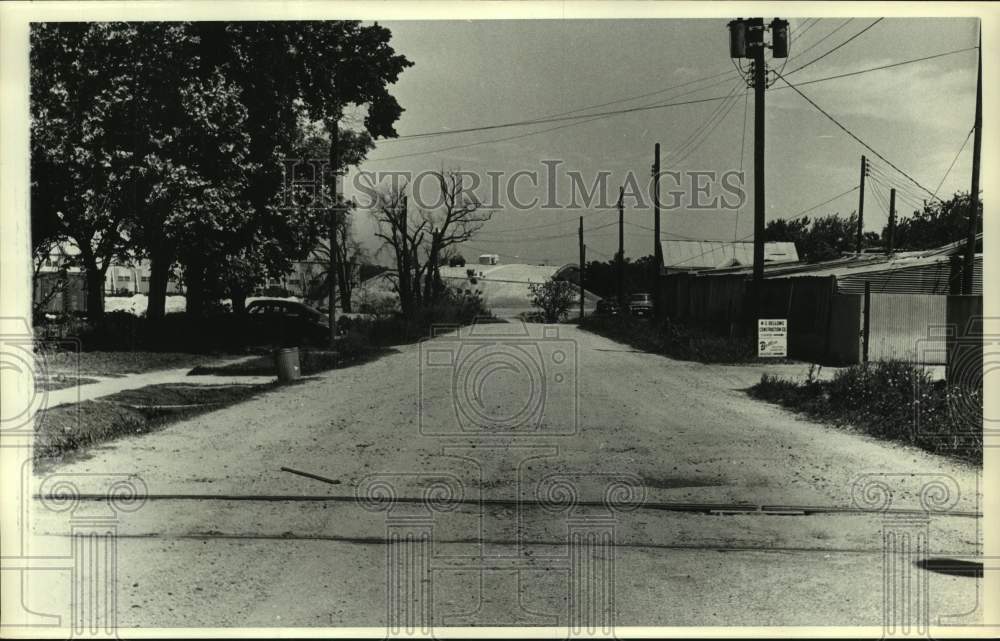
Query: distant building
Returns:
{"type": "Point", "coordinates": [694, 255]}
{"type": "Point", "coordinates": [505, 288]}
{"type": "Point", "coordinates": [930, 271]}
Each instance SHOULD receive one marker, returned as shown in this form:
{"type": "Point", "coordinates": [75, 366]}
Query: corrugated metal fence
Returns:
{"type": "Point", "coordinates": [825, 324]}
{"type": "Point", "coordinates": [908, 327]}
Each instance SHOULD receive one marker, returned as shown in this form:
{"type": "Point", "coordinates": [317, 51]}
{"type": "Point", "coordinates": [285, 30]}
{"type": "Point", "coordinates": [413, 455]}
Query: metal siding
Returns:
{"type": "Point", "coordinates": [928, 278]}
{"type": "Point", "coordinates": [908, 327]}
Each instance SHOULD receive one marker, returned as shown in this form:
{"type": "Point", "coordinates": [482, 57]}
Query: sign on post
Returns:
{"type": "Point", "coordinates": [772, 337]}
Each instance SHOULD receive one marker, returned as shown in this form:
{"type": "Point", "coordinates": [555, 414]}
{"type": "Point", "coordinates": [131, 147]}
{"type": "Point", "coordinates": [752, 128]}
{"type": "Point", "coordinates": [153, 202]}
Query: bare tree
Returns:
{"type": "Point", "coordinates": [424, 240]}
{"type": "Point", "coordinates": [404, 233]}
{"type": "Point", "coordinates": [350, 253]}
{"type": "Point", "coordinates": [460, 216]}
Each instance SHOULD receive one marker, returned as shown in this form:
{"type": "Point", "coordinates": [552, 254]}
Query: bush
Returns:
{"type": "Point", "coordinates": [454, 309]}
{"type": "Point", "coordinates": [893, 400]}
{"type": "Point", "coordinates": [554, 298]}
{"type": "Point", "coordinates": [178, 332]}
{"type": "Point", "coordinates": [673, 339]}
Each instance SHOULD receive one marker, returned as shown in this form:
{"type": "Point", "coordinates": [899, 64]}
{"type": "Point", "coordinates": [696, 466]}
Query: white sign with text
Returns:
{"type": "Point", "coordinates": [772, 337]}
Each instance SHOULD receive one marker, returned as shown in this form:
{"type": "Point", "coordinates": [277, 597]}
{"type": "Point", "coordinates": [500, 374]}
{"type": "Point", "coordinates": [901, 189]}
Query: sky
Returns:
{"type": "Point", "coordinates": [480, 73]}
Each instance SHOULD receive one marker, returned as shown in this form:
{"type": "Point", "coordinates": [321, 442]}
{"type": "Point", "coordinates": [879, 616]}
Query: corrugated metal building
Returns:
{"type": "Point", "coordinates": [934, 271]}
{"type": "Point", "coordinates": [687, 255]}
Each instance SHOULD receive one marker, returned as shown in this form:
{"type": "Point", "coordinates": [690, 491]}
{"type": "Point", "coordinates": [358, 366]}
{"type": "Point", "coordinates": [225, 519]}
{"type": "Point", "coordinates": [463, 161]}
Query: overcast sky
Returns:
{"type": "Point", "coordinates": [479, 73]}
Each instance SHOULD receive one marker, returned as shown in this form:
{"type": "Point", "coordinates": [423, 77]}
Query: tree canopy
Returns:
{"type": "Point", "coordinates": [165, 140]}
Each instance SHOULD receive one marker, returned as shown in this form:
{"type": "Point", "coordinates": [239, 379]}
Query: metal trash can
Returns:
{"type": "Point", "coordinates": [287, 362]}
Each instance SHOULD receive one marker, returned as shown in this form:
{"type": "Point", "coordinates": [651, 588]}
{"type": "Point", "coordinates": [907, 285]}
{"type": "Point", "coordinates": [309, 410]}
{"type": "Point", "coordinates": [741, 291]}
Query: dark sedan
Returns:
{"type": "Point", "coordinates": [286, 323]}
{"type": "Point", "coordinates": [608, 307]}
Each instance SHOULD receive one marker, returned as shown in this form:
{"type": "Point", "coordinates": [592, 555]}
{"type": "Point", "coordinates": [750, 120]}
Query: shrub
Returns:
{"type": "Point", "coordinates": [894, 400]}
{"type": "Point", "coordinates": [673, 339]}
{"type": "Point", "coordinates": [554, 298]}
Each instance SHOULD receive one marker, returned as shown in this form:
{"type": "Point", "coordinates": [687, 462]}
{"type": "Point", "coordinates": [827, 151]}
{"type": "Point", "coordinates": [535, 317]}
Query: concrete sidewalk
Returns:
{"type": "Point", "coordinates": [106, 386]}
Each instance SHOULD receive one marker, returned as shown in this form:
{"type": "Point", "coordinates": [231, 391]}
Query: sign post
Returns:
{"type": "Point", "coordinates": [772, 337]}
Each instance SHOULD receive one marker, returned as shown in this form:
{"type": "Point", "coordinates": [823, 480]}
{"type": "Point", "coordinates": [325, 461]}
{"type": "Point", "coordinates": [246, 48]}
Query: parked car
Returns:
{"type": "Point", "coordinates": [285, 322]}
{"type": "Point", "coordinates": [608, 307]}
{"type": "Point", "coordinates": [640, 304]}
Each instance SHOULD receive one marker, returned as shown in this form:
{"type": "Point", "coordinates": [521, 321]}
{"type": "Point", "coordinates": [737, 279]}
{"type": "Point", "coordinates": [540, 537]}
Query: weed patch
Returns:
{"type": "Point", "coordinates": [892, 400]}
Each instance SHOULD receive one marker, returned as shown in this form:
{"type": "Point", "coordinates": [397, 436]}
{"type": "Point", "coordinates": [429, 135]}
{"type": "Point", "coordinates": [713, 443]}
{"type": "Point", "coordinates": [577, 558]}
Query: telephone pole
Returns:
{"type": "Point", "coordinates": [583, 265]}
{"type": "Point", "coordinates": [334, 219]}
{"type": "Point", "coordinates": [657, 250]}
{"type": "Point", "coordinates": [746, 40]}
{"type": "Point", "coordinates": [759, 85]}
{"type": "Point", "coordinates": [977, 144]}
{"type": "Point", "coordinates": [892, 220]}
{"type": "Point", "coordinates": [861, 204]}
{"type": "Point", "coordinates": [621, 246]}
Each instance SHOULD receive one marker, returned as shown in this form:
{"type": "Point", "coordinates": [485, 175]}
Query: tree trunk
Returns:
{"type": "Point", "coordinates": [344, 281]}
{"type": "Point", "coordinates": [95, 284]}
{"type": "Point", "coordinates": [238, 296]}
{"type": "Point", "coordinates": [159, 272]}
{"type": "Point", "coordinates": [194, 289]}
{"type": "Point", "coordinates": [95, 294]}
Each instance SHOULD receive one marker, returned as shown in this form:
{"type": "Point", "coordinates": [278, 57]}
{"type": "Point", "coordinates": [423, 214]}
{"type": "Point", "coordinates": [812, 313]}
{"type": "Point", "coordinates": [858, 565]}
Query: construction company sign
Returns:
{"type": "Point", "coordinates": [772, 337]}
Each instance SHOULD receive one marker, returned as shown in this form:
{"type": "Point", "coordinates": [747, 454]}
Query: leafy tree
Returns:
{"type": "Point", "coordinates": [601, 278]}
{"type": "Point", "coordinates": [82, 78]}
{"type": "Point", "coordinates": [936, 224]}
{"type": "Point", "coordinates": [554, 298]}
{"type": "Point", "coordinates": [165, 140]}
{"type": "Point", "coordinates": [818, 239]}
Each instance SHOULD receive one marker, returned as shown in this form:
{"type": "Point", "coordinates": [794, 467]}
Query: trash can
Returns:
{"type": "Point", "coordinates": [287, 362]}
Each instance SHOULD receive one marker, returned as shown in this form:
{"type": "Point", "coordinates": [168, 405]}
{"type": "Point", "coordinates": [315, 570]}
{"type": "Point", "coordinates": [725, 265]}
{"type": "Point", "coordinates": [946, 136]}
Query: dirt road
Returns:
{"type": "Point", "coordinates": [568, 479]}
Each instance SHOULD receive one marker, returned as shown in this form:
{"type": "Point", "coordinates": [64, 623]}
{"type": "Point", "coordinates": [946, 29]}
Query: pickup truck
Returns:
{"type": "Point", "coordinates": [640, 304]}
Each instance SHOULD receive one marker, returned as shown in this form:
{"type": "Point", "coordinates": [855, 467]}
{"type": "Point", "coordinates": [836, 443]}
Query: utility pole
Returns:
{"type": "Point", "coordinates": [746, 40]}
{"type": "Point", "coordinates": [756, 37]}
{"type": "Point", "coordinates": [657, 249]}
{"type": "Point", "coordinates": [621, 246]}
{"type": "Point", "coordinates": [403, 278]}
{"type": "Point", "coordinates": [334, 219]}
{"type": "Point", "coordinates": [583, 265]}
{"type": "Point", "coordinates": [892, 220]}
{"type": "Point", "coordinates": [861, 204]}
{"type": "Point", "coordinates": [977, 144]}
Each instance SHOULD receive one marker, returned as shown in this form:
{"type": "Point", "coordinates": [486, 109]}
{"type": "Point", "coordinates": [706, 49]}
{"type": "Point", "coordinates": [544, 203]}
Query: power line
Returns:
{"type": "Point", "coordinates": [485, 142]}
{"type": "Point", "coordinates": [573, 111]}
{"type": "Point", "coordinates": [825, 202]}
{"type": "Point", "coordinates": [892, 180]}
{"type": "Point", "coordinates": [823, 39]}
{"type": "Point", "coordinates": [799, 68]}
{"type": "Point", "coordinates": [561, 118]}
{"type": "Point", "coordinates": [553, 224]}
{"type": "Point", "coordinates": [537, 238]}
{"type": "Point", "coordinates": [701, 127]}
{"type": "Point", "coordinates": [706, 132]}
{"type": "Point", "coordinates": [855, 137]}
{"type": "Point", "coordinates": [901, 194]}
{"type": "Point", "coordinates": [881, 67]}
{"type": "Point", "coordinates": [660, 106]}
{"type": "Point", "coordinates": [743, 140]}
{"type": "Point", "coordinates": [954, 160]}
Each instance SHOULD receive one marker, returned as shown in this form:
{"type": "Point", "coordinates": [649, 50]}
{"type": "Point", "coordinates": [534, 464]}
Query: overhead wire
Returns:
{"type": "Point", "coordinates": [954, 160]}
{"type": "Point", "coordinates": [743, 140]}
{"type": "Point", "coordinates": [842, 44]}
{"type": "Point", "coordinates": [666, 105]}
{"type": "Point", "coordinates": [855, 136]}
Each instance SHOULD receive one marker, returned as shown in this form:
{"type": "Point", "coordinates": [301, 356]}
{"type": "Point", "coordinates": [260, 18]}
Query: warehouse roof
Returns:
{"type": "Point", "coordinates": [702, 254]}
